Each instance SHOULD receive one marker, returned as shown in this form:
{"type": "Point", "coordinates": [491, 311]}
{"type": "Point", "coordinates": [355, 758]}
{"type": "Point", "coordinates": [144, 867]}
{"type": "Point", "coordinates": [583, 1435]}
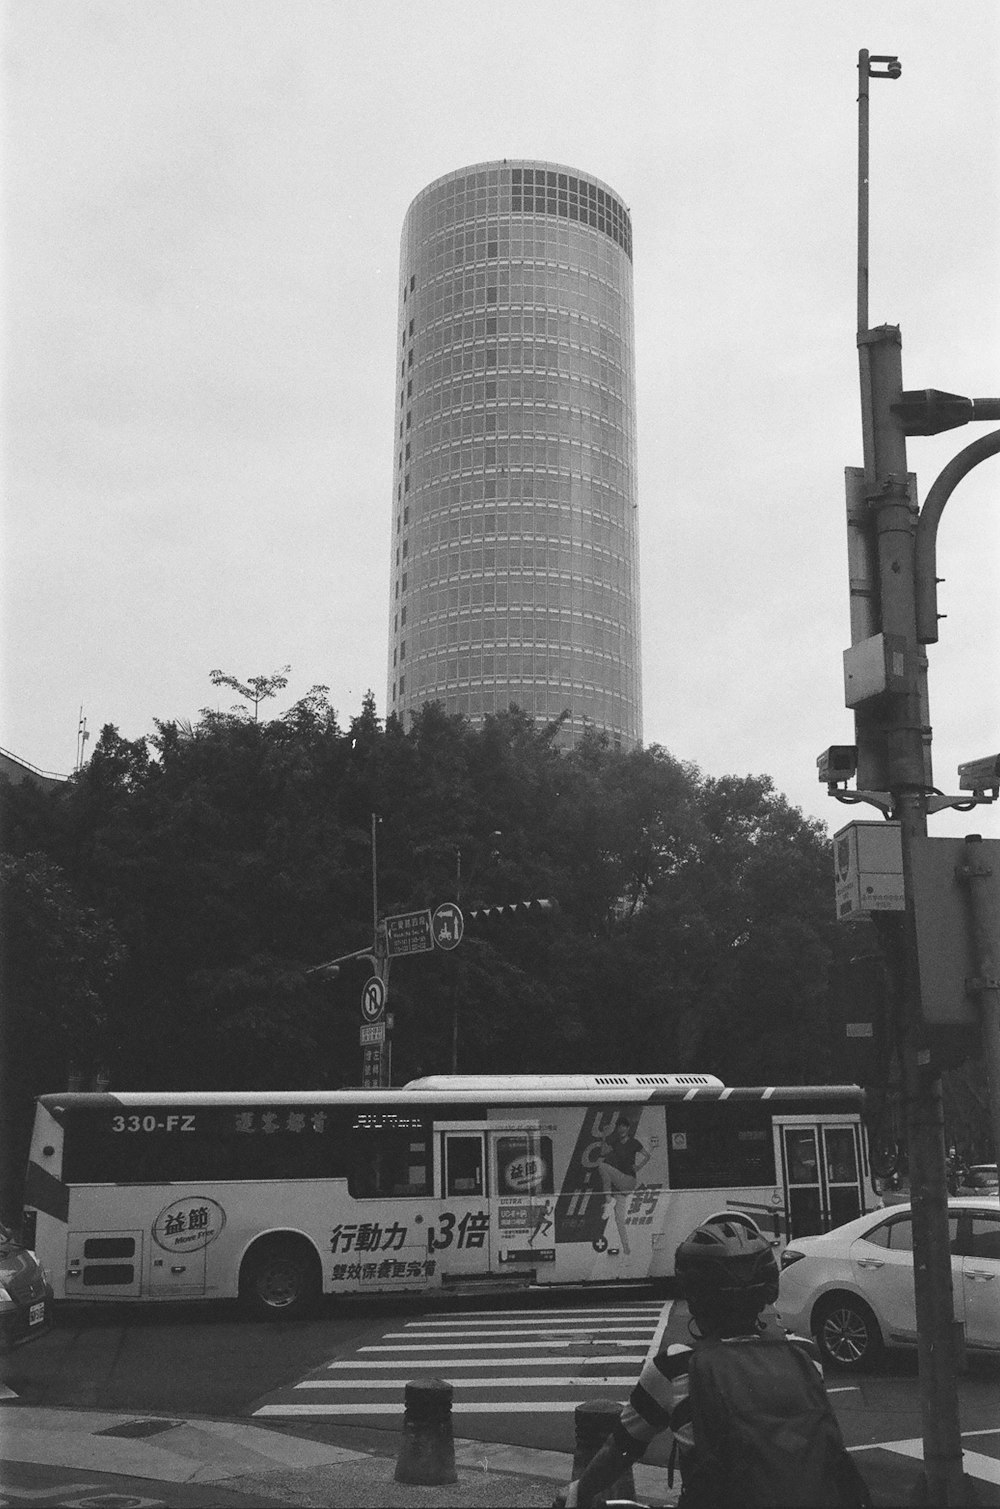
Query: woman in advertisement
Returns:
{"type": "Point", "coordinates": [622, 1157]}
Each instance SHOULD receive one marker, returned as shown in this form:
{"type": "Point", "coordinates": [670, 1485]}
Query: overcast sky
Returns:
{"type": "Point", "coordinates": [203, 202]}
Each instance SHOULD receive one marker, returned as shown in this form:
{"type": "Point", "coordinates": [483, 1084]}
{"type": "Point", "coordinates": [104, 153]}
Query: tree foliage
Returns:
{"type": "Point", "coordinates": [213, 864]}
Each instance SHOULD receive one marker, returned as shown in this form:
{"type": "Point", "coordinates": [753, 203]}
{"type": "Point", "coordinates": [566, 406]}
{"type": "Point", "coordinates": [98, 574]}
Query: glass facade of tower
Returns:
{"type": "Point", "coordinates": [515, 541]}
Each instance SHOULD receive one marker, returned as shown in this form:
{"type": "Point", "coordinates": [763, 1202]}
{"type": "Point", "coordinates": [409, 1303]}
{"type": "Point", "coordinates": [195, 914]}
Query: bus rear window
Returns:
{"type": "Point", "coordinates": [718, 1146]}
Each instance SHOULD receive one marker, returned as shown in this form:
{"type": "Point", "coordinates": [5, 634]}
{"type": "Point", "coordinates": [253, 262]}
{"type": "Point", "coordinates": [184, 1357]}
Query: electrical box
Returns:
{"type": "Point", "coordinates": [947, 954]}
{"type": "Point", "coordinates": [874, 666]}
{"type": "Point", "coordinates": [868, 861]}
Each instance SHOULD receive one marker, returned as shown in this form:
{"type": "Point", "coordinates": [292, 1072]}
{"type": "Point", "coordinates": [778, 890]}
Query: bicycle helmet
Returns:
{"type": "Point", "coordinates": [727, 1260]}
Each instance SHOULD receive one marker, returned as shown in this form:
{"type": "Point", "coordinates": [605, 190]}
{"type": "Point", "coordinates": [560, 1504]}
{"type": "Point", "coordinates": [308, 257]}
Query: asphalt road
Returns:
{"type": "Point", "coordinates": [518, 1366]}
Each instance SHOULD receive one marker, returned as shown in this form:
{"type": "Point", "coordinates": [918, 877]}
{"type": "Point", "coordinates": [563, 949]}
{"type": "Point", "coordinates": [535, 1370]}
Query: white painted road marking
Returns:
{"type": "Point", "coordinates": [551, 1359]}
{"type": "Point", "coordinates": [510, 1344]}
{"type": "Point", "coordinates": [974, 1462]}
{"type": "Point", "coordinates": [494, 1362]}
{"type": "Point", "coordinates": [459, 1407]}
{"type": "Point", "coordinates": [601, 1381]}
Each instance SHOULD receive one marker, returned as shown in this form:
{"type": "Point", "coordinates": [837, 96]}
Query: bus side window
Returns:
{"type": "Point", "coordinates": [389, 1163]}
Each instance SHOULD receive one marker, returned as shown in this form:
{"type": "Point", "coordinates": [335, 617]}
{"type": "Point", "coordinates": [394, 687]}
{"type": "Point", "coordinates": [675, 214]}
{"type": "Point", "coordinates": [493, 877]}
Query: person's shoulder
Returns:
{"type": "Point", "coordinates": [807, 1345]}
{"type": "Point", "coordinates": [673, 1360]}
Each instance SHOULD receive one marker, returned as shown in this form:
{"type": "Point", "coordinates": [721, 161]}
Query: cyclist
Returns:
{"type": "Point", "coordinates": [722, 1408]}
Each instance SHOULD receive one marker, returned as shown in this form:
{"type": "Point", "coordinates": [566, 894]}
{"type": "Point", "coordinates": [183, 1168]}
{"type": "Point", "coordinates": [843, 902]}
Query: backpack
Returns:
{"type": "Point", "coordinates": [764, 1432]}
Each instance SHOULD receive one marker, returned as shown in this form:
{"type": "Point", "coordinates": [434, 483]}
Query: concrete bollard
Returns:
{"type": "Point", "coordinates": [594, 1421]}
{"type": "Point", "coordinates": [427, 1451]}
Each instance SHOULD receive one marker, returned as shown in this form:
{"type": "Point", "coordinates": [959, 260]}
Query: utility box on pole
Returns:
{"type": "Point", "coordinates": [868, 861]}
{"type": "Point", "coordinates": [947, 953]}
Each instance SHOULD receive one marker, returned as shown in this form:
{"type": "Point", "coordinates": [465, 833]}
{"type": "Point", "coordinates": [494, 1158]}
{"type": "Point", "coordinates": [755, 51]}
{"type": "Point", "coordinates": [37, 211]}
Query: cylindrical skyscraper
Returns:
{"type": "Point", "coordinates": [515, 544]}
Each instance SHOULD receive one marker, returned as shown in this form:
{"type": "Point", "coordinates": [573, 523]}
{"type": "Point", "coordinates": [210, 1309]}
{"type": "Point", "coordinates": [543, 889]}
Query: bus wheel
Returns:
{"type": "Point", "coordinates": [280, 1279]}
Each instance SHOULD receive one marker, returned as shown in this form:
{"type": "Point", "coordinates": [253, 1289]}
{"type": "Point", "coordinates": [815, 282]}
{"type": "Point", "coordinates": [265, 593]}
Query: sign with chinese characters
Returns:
{"type": "Point", "coordinates": [372, 1032]}
{"type": "Point", "coordinates": [375, 1065]}
{"type": "Point", "coordinates": [408, 933]}
{"type": "Point", "coordinates": [188, 1225]}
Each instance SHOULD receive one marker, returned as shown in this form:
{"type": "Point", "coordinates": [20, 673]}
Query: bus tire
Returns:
{"type": "Point", "coordinates": [847, 1333]}
{"type": "Point", "coordinates": [280, 1278]}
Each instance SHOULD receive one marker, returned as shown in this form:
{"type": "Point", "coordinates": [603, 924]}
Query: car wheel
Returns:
{"type": "Point", "coordinates": [847, 1332]}
{"type": "Point", "coordinates": [280, 1280]}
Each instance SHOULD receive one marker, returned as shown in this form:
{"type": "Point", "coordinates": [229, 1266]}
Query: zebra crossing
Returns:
{"type": "Point", "coordinates": [498, 1363]}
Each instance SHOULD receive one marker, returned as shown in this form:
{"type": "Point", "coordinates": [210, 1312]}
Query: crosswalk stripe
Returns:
{"type": "Point", "coordinates": [532, 1318]}
{"type": "Point", "coordinates": [974, 1463]}
{"type": "Point", "coordinates": [554, 1333]}
{"type": "Point", "coordinates": [459, 1407]}
{"type": "Point", "coordinates": [547, 1305]}
{"type": "Point", "coordinates": [475, 1346]}
{"type": "Point", "coordinates": [625, 1379]}
{"type": "Point", "coordinates": [498, 1362]}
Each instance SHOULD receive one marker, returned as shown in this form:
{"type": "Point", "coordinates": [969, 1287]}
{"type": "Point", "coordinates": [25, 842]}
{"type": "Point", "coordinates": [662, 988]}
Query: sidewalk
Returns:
{"type": "Point", "coordinates": [227, 1464]}
{"type": "Point", "coordinates": [57, 1458]}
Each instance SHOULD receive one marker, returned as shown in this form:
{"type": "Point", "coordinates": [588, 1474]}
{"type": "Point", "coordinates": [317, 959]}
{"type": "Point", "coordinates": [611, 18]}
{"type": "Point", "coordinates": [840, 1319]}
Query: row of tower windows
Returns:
{"type": "Point", "coordinates": [557, 626]}
{"type": "Point", "coordinates": [555, 454]}
{"type": "Point", "coordinates": [542, 530]}
{"type": "Point", "coordinates": [523, 320]}
{"type": "Point", "coordinates": [503, 357]}
{"type": "Point", "coordinates": [542, 191]}
{"type": "Point", "coordinates": [607, 642]}
{"type": "Point", "coordinates": [588, 705]}
{"type": "Point", "coordinates": [572, 427]}
{"type": "Point", "coordinates": [574, 396]}
{"type": "Point", "coordinates": [599, 599]}
{"type": "Point", "coordinates": [578, 393]}
{"type": "Point", "coordinates": [531, 490]}
{"type": "Point", "coordinates": [508, 358]}
{"type": "Point", "coordinates": [547, 287]}
{"type": "Point", "coordinates": [525, 398]}
{"type": "Point", "coordinates": [579, 666]}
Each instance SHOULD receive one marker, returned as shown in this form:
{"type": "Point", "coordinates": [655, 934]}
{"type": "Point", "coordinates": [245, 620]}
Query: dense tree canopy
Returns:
{"type": "Point", "coordinates": [176, 892]}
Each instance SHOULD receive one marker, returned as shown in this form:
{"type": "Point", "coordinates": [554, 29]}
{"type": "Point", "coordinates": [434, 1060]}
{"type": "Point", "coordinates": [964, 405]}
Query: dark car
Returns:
{"type": "Point", "coordinates": [25, 1293]}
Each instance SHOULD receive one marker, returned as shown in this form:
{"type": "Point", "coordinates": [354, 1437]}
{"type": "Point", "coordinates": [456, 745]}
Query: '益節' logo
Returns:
{"type": "Point", "coordinates": [189, 1224]}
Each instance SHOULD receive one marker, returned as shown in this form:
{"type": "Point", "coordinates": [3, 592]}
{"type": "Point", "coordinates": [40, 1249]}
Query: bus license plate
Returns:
{"type": "Point", "coordinates": [36, 1314]}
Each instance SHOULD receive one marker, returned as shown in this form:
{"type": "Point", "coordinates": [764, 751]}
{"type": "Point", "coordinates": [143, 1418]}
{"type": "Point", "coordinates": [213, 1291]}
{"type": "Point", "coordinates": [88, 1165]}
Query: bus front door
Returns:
{"type": "Point", "coordinates": [821, 1173]}
{"type": "Point", "coordinates": [460, 1239]}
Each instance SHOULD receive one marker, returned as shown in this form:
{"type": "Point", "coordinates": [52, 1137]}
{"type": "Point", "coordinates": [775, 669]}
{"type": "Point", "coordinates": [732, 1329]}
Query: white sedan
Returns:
{"type": "Point", "coordinates": [852, 1288]}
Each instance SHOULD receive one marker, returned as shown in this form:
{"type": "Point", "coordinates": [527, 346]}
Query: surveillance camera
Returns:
{"type": "Point", "coordinates": [980, 775]}
{"type": "Point", "coordinates": [838, 764]}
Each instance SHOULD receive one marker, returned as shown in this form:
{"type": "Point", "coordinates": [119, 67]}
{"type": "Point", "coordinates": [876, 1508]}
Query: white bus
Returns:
{"type": "Point", "coordinates": [450, 1183]}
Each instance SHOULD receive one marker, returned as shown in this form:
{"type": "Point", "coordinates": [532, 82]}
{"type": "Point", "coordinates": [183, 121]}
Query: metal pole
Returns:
{"type": "Point", "coordinates": [374, 879]}
{"type": "Point", "coordinates": [895, 523]}
{"type": "Point", "coordinates": [985, 984]}
{"type": "Point", "coordinates": [863, 75]}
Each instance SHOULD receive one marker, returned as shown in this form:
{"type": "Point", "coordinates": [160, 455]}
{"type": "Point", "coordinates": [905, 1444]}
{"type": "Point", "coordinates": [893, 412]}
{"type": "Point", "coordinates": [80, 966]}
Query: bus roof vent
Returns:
{"type": "Point", "coordinates": [499, 1083]}
{"type": "Point", "coordinates": [677, 1079]}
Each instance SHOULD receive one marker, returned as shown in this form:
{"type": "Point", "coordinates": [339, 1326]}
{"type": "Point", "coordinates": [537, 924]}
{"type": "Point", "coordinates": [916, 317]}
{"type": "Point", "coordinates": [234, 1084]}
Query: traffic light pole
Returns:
{"type": "Point", "coordinates": [894, 521]}
{"type": "Point", "coordinates": [893, 738]}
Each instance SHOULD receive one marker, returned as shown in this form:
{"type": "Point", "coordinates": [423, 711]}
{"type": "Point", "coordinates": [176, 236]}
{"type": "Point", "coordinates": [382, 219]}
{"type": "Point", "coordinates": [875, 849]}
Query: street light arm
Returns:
{"type": "Point", "coordinates": [925, 547]}
{"type": "Point", "coordinates": [360, 953]}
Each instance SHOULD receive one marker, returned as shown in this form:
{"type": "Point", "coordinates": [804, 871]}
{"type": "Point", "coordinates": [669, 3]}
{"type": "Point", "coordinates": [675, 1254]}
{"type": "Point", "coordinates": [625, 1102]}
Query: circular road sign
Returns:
{"type": "Point", "coordinates": [447, 926]}
{"type": "Point", "coordinates": [373, 999]}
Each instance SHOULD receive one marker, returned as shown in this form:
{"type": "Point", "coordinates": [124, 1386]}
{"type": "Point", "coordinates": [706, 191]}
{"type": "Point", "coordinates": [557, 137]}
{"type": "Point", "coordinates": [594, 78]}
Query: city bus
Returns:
{"type": "Point", "coordinates": [453, 1183]}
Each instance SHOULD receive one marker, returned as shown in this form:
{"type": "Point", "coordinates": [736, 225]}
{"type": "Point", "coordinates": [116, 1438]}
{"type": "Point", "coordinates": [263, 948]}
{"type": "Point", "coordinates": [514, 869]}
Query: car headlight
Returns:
{"type": "Point", "coordinates": [5, 1298]}
{"type": "Point", "coordinates": [790, 1256]}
